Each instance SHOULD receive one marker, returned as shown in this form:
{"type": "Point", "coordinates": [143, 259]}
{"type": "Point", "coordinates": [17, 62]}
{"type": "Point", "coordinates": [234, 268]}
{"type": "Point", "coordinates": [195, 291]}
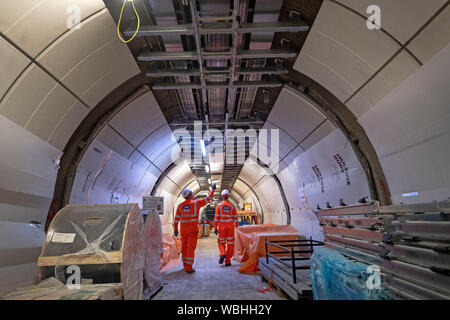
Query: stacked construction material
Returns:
{"type": "Point", "coordinates": [104, 242]}
{"type": "Point", "coordinates": [410, 244]}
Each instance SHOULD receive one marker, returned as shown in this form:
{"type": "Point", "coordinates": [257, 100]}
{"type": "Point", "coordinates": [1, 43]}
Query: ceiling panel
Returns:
{"type": "Point", "coordinates": [77, 44]}
{"type": "Point", "coordinates": [33, 25]}
{"type": "Point", "coordinates": [50, 111]}
{"type": "Point", "coordinates": [181, 174]}
{"type": "Point", "coordinates": [67, 125]}
{"type": "Point", "coordinates": [12, 64]}
{"type": "Point", "coordinates": [433, 38]}
{"type": "Point", "coordinates": [295, 115]}
{"type": "Point", "coordinates": [96, 65]}
{"type": "Point", "coordinates": [139, 119]}
{"type": "Point", "coordinates": [25, 96]}
{"type": "Point", "coordinates": [401, 18]}
{"type": "Point", "coordinates": [115, 142]}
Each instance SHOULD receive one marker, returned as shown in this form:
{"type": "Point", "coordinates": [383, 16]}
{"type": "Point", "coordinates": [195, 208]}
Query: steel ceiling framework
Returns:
{"type": "Point", "coordinates": [219, 70]}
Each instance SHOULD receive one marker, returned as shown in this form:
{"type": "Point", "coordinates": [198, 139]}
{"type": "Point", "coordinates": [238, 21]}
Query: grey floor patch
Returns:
{"type": "Point", "coordinates": [213, 281]}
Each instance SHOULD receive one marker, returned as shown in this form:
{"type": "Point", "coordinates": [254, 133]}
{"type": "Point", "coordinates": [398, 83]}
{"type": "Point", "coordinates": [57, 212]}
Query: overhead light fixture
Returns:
{"type": "Point", "coordinates": [206, 168]}
{"type": "Point", "coordinates": [410, 194]}
{"type": "Point", "coordinates": [202, 145]}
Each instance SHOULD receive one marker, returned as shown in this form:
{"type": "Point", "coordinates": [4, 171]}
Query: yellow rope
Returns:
{"type": "Point", "coordinates": [120, 19]}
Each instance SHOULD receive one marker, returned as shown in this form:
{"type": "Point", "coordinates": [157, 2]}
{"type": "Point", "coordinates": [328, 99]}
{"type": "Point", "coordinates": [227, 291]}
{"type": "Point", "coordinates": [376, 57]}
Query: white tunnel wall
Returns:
{"type": "Point", "coordinates": [51, 77]}
{"type": "Point", "coordinates": [127, 158]}
{"type": "Point", "coordinates": [414, 145]}
{"type": "Point", "coordinates": [316, 165]}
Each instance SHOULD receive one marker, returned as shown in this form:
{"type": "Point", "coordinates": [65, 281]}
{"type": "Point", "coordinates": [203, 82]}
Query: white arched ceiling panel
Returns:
{"type": "Point", "coordinates": [295, 114]}
{"type": "Point", "coordinates": [433, 38]}
{"type": "Point", "coordinates": [109, 137]}
{"type": "Point", "coordinates": [94, 33]}
{"type": "Point", "coordinates": [33, 25]}
{"type": "Point", "coordinates": [139, 119]}
{"type": "Point", "coordinates": [400, 68]}
{"type": "Point", "coordinates": [181, 174]}
{"type": "Point", "coordinates": [413, 144]}
{"type": "Point", "coordinates": [360, 66]}
{"type": "Point", "coordinates": [13, 62]}
{"type": "Point", "coordinates": [240, 187]}
{"type": "Point", "coordinates": [80, 66]}
{"type": "Point", "coordinates": [251, 172]}
{"type": "Point", "coordinates": [26, 95]}
{"type": "Point", "coordinates": [341, 44]}
{"type": "Point", "coordinates": [166, 157]}
{"type": "Point", "coordinates": [401, 18]}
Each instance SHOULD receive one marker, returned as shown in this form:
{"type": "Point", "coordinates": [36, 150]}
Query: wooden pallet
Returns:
{"type": "Point", "coordinates": [282, 278]}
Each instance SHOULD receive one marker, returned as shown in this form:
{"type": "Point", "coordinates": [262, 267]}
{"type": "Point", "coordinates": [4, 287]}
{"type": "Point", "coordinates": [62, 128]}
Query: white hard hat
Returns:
{"type": "Point", "coordinates": [186, 192]}
{"type": "Point", "coordinates": [225, 193]}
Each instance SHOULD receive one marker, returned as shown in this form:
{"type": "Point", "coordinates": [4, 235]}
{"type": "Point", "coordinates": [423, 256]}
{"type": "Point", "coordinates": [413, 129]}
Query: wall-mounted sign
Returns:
{"type": "Point", "coordinates": [153, 204]}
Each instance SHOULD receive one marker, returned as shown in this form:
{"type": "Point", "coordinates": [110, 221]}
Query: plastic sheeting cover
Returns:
{"type": "Point", "coordinates": [335, 277]}
{"type": "Point", "coordinates": [94, 230]}
{"type": "Point", "coordinates": [250, 242]}
{"type": "Point", "coordinates": [153, 249]}
{"type": "Point", "coordinates": [171, 251]}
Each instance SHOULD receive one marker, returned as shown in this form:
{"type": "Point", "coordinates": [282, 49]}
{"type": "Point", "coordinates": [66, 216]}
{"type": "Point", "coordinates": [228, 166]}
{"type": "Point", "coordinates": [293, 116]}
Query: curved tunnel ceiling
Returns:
{"type": "Point", "coordinates": [76, 99]}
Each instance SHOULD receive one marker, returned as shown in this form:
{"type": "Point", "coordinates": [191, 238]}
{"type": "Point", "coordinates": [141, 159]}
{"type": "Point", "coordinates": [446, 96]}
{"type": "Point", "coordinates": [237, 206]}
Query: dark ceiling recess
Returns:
{"type": "Point", "coordinates": [222, 88]}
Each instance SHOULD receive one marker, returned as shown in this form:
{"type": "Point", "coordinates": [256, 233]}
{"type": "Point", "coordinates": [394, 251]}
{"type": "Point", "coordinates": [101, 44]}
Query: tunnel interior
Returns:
{"type": "Point", "coordinates": [307, 108]}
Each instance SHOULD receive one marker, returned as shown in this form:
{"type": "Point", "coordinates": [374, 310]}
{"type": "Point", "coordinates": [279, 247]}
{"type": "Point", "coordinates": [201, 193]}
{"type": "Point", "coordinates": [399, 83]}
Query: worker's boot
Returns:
{"type": "Point", "coordinates": [222, 258]}
{"type": "Point", "coordinates": [190, 271]}
{"type": "Point", "coordinates": [228, 264]}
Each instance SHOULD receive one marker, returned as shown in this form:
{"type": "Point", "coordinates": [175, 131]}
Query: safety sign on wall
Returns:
{"type": "Point", "coordinates": [153, 204]}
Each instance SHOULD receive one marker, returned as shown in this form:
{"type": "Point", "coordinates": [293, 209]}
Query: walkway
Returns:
{"type": "Point", "coordinates": [213, 281]}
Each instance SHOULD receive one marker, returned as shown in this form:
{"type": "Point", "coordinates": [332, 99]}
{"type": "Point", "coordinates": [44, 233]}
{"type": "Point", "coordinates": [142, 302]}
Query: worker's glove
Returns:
{"type": "Point", "coordinates": [216, 232]}
{"type": "Point", "coordinates": [175, 233]}
{"type": "Point", "coordinates": [213, 186]}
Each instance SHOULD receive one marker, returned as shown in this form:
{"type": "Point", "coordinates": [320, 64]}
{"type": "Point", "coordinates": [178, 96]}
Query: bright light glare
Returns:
{"type": "Point", "coordinates": [202, 145]}
{"type": "Point", "coordinates": [411, 194]}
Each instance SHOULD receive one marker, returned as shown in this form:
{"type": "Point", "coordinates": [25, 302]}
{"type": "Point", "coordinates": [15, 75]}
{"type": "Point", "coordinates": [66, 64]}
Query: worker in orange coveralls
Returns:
{"type": "Point", "coordinates": [226, 219]}
{"type": "Point", "coordinates": [187, 215]}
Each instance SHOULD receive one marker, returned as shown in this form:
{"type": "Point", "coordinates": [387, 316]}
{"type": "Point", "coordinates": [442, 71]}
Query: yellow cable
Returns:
{"type": "Point", "coordinates": [120, 19]}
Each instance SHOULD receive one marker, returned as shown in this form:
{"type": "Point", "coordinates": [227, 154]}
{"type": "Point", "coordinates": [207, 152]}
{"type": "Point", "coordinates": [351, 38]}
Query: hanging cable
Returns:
{"type": "Point", "coordinates": [120, 20]}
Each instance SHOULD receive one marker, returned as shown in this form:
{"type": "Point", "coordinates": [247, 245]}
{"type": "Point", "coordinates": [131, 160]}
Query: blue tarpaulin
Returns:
{"type": "Point", "coordinates": [336, 277]}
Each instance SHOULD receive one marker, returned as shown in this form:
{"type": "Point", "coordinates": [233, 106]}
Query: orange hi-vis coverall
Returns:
{"type": "Point", "coordinates": [187, 216]}
{"type": "Point", "coordinates": [226, 217]}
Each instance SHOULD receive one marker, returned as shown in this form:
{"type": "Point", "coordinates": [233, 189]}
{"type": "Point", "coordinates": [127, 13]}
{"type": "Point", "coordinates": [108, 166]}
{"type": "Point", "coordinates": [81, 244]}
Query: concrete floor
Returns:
{"type": "Point", "coordinates": [213, 281]}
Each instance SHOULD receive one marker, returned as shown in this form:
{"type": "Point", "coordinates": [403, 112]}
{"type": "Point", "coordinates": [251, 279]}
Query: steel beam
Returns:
{"type": "Point", "coordinates": [198, 44]}
{"type": "Point", "coordinates": [216, 28]}
{"type": "Point", "coordinates": [232, 91]}
{"type": "Point", "coordinates": [195, 72]}
{"type": "Point", "coordinates": [211, 85]}
{"type": "Point", "coordinates": [148, 55]}
{"type": "Point", "coordinates": [261, 70]}
{"type": "Point", "coordinates": [167, 72]}
{"type": "Point", "coordinates": [160, 30]}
